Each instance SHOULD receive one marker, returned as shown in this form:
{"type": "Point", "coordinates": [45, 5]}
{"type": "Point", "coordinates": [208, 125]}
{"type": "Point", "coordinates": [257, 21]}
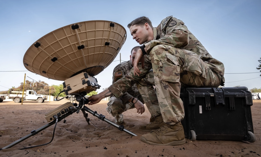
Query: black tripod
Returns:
{"type": "Point", "coordinates": [65, 113]}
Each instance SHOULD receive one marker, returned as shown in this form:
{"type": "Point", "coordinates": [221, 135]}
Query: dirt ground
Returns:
{"type": "Point", "coordinates": [77, 138]}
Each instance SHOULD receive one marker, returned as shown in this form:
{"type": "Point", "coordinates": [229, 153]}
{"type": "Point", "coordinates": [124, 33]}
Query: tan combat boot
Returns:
{"type": "Point", "coordinates": [155, 123]}
{"type": "Point", "coordinates": [166, 135]}
{"type": "Point", "coordinates": [118, 119]}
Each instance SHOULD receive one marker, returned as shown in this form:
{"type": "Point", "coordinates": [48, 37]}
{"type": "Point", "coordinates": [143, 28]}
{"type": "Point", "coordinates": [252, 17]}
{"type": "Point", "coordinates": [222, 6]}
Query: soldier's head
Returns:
{"type": "Point", "coordinates": [133, 52]}
{"type": "Point", "coordinates": [141, 29]}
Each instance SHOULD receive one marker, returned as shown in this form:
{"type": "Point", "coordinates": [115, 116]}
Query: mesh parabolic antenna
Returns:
{"type": "Point", "coordinates": [88, 46]}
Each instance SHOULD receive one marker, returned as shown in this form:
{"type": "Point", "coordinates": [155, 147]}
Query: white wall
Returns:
{"type": "Point", "coordinates": [47, 98]}
{"type": "Point", "coordinates": [255, 96]}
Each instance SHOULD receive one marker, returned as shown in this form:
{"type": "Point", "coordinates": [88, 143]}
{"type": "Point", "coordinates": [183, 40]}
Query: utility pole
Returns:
{"type": "Point", "coordinates": [23, 90]}
{"type": "Point", "coordinates": [49, 94]}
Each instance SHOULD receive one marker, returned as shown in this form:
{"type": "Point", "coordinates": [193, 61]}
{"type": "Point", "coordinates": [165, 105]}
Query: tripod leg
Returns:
{"type": "Point", "coordinates": [86, 116]}
{"type": "Point", "coordinates": [70, 111]}
{"type": "Point", "coordinates": [102, 117]}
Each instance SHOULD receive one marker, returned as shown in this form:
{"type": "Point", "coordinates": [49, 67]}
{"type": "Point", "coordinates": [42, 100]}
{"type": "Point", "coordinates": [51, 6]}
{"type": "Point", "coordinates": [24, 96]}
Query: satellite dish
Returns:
{"type": "Point", "coordinates": [88, 46]}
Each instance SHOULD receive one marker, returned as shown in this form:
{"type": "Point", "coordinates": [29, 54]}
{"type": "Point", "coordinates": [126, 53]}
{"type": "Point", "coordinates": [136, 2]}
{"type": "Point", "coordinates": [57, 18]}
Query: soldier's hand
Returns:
{"type": "Point", "coordinates": [138, 58]}
{"type": "Point", "coordinates": [94, 99]}
{"type": "Point", "coordinates": [139, 106]}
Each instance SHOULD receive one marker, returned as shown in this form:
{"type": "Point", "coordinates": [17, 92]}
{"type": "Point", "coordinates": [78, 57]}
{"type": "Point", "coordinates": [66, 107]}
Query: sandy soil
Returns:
{"type": "Point", "coordinates": [76, 138]}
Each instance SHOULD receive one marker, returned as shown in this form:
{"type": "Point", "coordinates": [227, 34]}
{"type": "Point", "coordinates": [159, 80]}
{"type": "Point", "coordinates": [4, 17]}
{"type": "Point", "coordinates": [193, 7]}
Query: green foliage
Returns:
{"type": "Point", "coordinates": [58, 89]}
{"type": "Point", "coordinates": [255, 90]}
{"type": "Point", "coordinates": [40, 87]}
{"type": "Point", "coordinates": [92, 93]}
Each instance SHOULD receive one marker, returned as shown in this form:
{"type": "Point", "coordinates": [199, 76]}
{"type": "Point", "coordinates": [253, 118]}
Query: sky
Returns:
{"type": "Point", "coordinates": [229, 30]}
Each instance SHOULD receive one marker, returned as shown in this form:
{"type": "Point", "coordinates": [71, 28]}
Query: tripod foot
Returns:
{"type": "Point", "coordinates": [86, 116]}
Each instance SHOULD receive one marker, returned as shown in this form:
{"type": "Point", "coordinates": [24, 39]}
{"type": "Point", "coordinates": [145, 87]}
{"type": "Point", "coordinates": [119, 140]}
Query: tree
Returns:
{"type": "Point", "coordinates": [259, 66]}
{"type": "Point", "coordinates": [255, 90]}
{"type": "Point", "coordinates": [40, 87]}
{"type": "Point", "coordinates": [58, 89]}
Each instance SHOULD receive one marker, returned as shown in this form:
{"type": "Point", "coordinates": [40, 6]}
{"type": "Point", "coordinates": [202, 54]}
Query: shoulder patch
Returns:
{"type": "Point", "coordinates": [172, 23]}
{"type": "Point", "coordinates": [165, 21]}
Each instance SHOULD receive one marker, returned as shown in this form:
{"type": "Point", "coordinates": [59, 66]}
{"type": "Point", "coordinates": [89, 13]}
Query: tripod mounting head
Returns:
{"type": "Point", "coordinates": [82, 101]}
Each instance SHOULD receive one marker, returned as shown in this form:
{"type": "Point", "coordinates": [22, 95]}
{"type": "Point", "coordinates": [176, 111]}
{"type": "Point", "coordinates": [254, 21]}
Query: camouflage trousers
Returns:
{"type": "Point", "coordinates": [172, 67]}
{"type": "Point", "coordinates": [115, 107]}
{"type": "Point", "coordinates": [145, 86]}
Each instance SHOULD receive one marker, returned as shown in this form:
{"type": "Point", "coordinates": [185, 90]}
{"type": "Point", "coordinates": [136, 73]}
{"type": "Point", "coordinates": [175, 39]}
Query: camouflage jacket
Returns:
{"type": "Point", "coordinates": [120, 71]}
{"type": "Point", "coordinates": [172, 31]}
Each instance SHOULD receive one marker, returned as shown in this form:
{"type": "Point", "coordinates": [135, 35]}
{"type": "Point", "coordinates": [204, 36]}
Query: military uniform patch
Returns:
{"type": "Point", "coordinates": [172, 23]}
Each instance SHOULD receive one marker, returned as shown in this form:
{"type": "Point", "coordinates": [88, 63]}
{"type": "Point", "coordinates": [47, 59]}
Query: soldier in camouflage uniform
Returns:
{"type": "Point", "coordinates": [177, 58]}
{"type": "Point", "coordinates": [116, 106]}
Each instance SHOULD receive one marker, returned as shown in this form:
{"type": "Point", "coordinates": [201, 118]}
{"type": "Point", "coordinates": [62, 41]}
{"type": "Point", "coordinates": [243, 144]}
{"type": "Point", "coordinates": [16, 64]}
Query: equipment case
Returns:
{"type": "Point", "coordinates": [82, 82]}
{"type": "Point", "coordinates": [218, 113]}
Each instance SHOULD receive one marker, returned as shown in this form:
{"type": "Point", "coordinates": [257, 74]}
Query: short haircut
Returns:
{"type": "Point", "coordinates": [135, 48]}
{"type": "Point", "coordinates": [140, 21]}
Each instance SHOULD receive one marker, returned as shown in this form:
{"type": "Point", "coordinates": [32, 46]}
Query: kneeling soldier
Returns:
{"type": "Point", "coordinates": [141, 92]}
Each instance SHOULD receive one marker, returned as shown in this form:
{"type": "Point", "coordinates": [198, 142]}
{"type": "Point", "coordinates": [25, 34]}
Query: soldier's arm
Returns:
{"type": "Point", "coordinates": [122, 85]}
{"type": "Point", "coordinates": [97, 98]}
{"type": "Point", "coordinates": [176, 34]}
{"type": "Point", "coordinates": [126, 98]}
{"type": "Point", "coordinates": [117, 75]}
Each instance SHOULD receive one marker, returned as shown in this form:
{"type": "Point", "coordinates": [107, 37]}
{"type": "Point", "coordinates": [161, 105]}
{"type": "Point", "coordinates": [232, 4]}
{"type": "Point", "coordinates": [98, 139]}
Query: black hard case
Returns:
{"type": "Point", "coordinates": [218, 113]}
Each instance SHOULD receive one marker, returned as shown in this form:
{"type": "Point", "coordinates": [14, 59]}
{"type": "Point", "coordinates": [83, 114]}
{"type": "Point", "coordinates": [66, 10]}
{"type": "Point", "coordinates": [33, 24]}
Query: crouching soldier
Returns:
{"type": "Point", "coordinates": [135, 97]}
{"type": "Point", "coordinates": [116, 106]}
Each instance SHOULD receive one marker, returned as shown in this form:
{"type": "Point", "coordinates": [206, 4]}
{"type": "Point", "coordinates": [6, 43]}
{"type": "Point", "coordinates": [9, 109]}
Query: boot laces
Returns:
{"type": "Point", "coordinates": [160, 130]}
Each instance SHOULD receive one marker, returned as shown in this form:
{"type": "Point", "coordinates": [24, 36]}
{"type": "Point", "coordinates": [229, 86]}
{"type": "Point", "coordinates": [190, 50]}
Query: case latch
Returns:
{"type": "Point", "coordinates": [231, 98]}
{"type": "Point", "coordinates": [207, 101]}
{"type": "Point", "coordinates": [248, 97]}
{"type": "Point", "coordinates": [219, 97]}
{"type": "Point", "coordinates": [192, 97]}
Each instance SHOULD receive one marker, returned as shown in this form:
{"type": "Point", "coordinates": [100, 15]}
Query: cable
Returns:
{"type": "Point", "coordinates": [15, 71]}
{"type": "Point", "coordinates": [56, 117]}
{"type": "Point", "coordinates": [58, 95]}
{"type": "Point", "coordinates": [4, 86]}
{"type": "Point", "coordinates": [31, 78]}
{"type": "Point", "coordinates": [244, 73]}
{"type": "Point", "coordinates": [243, 80]}
{"type": "Point", "coordinates": [37, 81]}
